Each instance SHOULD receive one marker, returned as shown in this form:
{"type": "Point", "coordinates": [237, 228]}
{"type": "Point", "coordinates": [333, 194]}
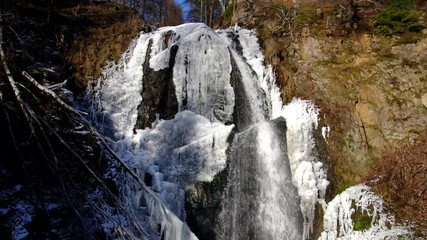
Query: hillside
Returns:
{"type": "Point", "coordinates": [368, 82]}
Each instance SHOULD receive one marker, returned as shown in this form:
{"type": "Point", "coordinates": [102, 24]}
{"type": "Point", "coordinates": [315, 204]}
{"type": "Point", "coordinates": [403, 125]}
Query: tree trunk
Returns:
{"type": "Point", "coordinates": [51, 11]}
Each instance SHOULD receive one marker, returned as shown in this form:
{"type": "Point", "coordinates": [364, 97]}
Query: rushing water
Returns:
{"type": "Point", "coordinates": [222, 91]}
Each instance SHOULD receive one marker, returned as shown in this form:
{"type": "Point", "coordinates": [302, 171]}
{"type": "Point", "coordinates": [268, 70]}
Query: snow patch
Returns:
{"type": "Point", "coordinates": [325, 133]}
{"type": "Point", "coordinates": [338, 222]}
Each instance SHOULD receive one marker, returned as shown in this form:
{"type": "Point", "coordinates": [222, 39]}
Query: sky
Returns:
{"type": "Point", "coordinates": [184, 6]}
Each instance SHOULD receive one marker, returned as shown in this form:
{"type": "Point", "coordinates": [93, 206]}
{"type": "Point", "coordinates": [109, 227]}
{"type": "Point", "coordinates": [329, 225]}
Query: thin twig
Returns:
{"type": "Point", "coordinates": [14, 32]}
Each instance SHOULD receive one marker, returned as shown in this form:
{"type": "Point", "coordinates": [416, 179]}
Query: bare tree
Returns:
{"type": "Point", "coordinates": [173, 14]}
{"type": "Point", "coordinates": [223, 4]}
{"type": "Point", "coordinates": [206, 11]}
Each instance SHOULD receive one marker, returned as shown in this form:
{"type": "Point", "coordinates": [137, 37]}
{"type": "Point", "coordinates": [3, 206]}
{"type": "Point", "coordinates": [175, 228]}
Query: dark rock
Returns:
{"type": "Point", "coordinates": [319, 13]}
{"type": "Point", "coordinates": [148, 179]}
{"type": "Point", "coordinates": [202, 205]}
{"type": "Point", "coordinates": [57, 57]}
{"type": "Point", "coordinates": [158, 95]}
{"type": "Point", "coordinates": [242, 105]}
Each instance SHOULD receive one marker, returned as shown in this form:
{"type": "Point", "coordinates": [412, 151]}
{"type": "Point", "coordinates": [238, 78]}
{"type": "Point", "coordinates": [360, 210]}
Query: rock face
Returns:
{"type": "Point", "coordinates": [158, 92]}
{"type": "Point", "coordinates": [370, 89]}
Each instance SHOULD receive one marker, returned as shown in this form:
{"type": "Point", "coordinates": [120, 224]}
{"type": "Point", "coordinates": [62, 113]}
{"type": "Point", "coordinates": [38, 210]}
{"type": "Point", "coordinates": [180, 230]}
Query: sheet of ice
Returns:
{"type": "Point", "coordinates": [201, 76]}
{"type": "Point", "coordinates": [252, 51]}
{"type": "Point", "coordinates": [159, 54]}
{"type": "Point", "coordinates": [189, 140]}
{"type": "Point", "coordinates": [307, 171]}
{"type": "Point", "coordinates": [202, 73]}
{"type": "Point", "coordinates": [117, 92]}
{"type": "Point", "coordinates": [338, 223]}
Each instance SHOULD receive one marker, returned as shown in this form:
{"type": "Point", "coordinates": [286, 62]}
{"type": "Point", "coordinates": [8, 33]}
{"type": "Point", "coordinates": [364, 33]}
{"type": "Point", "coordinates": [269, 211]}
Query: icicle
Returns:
{"type": "Point", "coordinates": [325, 133]}
{"type": "Point", "coordinates": [154, 124]}
{"type": "Point", "coordinates": [170, 226]}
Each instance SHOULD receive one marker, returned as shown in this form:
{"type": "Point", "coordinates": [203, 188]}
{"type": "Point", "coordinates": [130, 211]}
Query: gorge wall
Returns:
{"type": "Point", "coordinates": [371, 89]}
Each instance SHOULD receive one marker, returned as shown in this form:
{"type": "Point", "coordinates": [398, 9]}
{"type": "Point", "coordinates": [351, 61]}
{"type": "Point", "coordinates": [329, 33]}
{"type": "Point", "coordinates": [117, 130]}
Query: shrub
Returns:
{"type": "Point", "coordinates": [401, 179]}
{"type": "Point", "coordinates": [229, 11]}
{"type": "Point", "coordinates": [399, 17]}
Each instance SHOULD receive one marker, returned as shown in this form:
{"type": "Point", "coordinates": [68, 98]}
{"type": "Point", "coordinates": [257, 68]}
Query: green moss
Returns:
{"type": "Point", "coordinates": [207, 195]}
{"type": "Point", "coordinates": [361, 221]}
{"type": "Point", "coordinates": [399, 17]}
{"type": "Point", "coordinates": [229, 12]}
{"type": "Point", "coordinates": [361, 224]}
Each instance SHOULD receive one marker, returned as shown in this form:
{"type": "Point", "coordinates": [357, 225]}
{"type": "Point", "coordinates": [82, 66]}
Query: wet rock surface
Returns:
{"type": "Point", "coordinates": [158, 94]}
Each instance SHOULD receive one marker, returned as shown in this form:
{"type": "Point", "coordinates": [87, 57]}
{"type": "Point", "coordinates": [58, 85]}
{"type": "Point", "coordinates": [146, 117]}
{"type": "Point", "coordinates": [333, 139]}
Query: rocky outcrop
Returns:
{"type": "Point", "coordinates": [202, 205]}
{"type": "Point", "coordinates": [158, 92]}
{"type": "Point", "coordinates": [370, 90]}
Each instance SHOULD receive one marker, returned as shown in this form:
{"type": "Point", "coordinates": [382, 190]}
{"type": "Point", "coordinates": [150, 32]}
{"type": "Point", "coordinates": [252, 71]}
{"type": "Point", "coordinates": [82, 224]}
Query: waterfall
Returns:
{"type": "Point", "coordinates": [184, 103]}
{"type": "Point", "coordinates": [261, 202]}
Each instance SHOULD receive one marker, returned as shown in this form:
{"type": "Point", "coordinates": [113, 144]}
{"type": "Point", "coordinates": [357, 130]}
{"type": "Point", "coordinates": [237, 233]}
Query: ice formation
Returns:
{"type": "Point", "coordinates": [325, 133]}
{"type": "Point", "coordinates": [338, 223]}
{"type": "Point", "coordinates": [196, 138]}
{"type": "Point", "coordinates": [174, 154]}
{"type": "Point", "coordinates": [301, 116]}
{"type": "Point", "coordinates": [120, 85]}
{"type": "Point", "coordinates": [307, 171]}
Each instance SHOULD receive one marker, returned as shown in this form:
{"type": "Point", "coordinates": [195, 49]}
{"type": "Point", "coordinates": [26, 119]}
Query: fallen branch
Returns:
{"type": "Point", "coordinates": [50, 93]}
{"type": "Point", "coordinates": [14, 32]}
{"type": "Point", "coordinates": [56, 86]}
{"type": "Point", "coordinates": [22, 105]}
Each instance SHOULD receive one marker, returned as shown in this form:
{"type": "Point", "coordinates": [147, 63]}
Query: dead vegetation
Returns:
{"type": "Point", "coordinates": [401, 179]}
{"type": "Point", "coordinates": [103, 33]}
{"type": "Point", "coordinates": [82, 38]}
{"type": "Point", "coordinates": [54, 154]}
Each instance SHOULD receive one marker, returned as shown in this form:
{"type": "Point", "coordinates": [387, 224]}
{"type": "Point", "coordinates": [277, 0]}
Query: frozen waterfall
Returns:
{"type": "Point", "coordinates": [187, 102]}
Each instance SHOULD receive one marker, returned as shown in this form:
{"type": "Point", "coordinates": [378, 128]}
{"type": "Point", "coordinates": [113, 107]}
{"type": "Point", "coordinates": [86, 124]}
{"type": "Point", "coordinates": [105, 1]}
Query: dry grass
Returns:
{"type": "Point", "coordinates": [104, 35]}
{"type": "Point", "coordinates": [89, 52]}
{"type": "Point", "coordinates": [401, 178]}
